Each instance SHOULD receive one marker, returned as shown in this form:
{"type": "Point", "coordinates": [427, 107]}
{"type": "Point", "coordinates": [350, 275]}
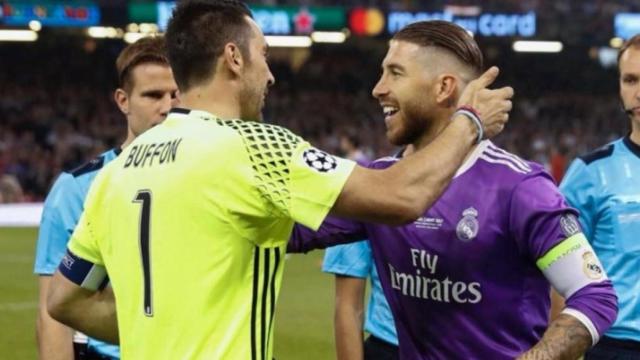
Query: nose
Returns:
{"type": "Point", "coordinates": [271, 79]}
{"type": "Point", "coordinates": [380, 89]}
{"type": "Point", "coordinates": [168, 101]}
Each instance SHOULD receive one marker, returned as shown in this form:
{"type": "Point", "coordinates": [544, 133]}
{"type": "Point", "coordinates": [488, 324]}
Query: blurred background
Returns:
{"type": "Point", "coordinates": [57, 77]}
{"type": "Point", "coordinates": [57, 74]}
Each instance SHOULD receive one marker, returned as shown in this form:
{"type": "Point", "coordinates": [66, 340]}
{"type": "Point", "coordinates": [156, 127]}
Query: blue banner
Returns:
{"type": "Point", "coordinates": [489, 24]}
{"type": "Point", "coordinates": [60, 14]}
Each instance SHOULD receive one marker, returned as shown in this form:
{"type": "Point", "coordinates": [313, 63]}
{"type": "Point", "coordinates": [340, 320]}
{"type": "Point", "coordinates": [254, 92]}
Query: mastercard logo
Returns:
{"type": "Point", "coordinates": [366, 21]}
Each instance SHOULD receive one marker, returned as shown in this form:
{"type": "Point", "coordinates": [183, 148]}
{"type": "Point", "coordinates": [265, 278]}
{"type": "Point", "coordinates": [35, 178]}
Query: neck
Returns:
{"type": "Point", "coordinates": [433, 129]}
{"type": "Point", "coordinates": [635, 132]}
{"type": "Point", "coordinates": [431, 133]}
{"type": "Point", "coordinates": [129, 139]}
{"type": "Point", "coordinates": [213, 98]}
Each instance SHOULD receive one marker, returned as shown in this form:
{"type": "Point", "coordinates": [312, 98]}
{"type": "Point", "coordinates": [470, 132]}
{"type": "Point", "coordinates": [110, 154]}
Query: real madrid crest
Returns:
{"type": "Point", "coordinates": [468, 226]}
{"type": "Point", "coordinates": [591, 267]}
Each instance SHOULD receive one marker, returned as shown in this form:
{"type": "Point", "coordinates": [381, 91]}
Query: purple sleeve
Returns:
{"type": "Point", "coordinates": [333, 231]}
{"type": "Point", "coordinates": [539, 216]}
{"type": "Point", "coordinates": [598, 302]}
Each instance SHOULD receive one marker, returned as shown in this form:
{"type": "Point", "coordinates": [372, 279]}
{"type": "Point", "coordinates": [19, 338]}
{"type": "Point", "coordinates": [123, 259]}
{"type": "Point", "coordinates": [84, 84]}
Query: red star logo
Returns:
{"type": "Point", "coordinates": [304, 22]}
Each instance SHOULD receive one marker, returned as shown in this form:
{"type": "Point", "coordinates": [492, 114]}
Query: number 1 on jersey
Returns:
{"type": "Point", "coordinates": [144, 197]}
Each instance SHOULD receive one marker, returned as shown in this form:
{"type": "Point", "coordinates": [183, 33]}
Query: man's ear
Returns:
{"type": "Point", "coordinates": [233, 59]}
{"type": "Point", "coordinates": [447, 89]}
{"type": "Point", "coordinates": [121, 98]}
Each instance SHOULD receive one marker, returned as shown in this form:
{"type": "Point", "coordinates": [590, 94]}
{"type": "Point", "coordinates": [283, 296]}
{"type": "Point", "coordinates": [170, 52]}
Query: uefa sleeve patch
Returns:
{"type": "Point", "coordinates": [83, 273]}
{"type": "Point", "coordinates": [569, 225]}
{"type": "Point", "coordinates": [319, 160]}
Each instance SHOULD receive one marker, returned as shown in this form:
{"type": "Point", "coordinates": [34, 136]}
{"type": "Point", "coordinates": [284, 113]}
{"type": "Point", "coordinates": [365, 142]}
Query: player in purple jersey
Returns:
{"type": "Point", "coordinates": [470, 278]}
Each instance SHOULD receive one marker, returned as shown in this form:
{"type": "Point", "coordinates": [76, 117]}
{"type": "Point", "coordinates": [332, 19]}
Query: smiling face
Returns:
{"type": "Point", "coordinates": [257, 76]}
{"type": "Point", "coordinates": [406, 92]}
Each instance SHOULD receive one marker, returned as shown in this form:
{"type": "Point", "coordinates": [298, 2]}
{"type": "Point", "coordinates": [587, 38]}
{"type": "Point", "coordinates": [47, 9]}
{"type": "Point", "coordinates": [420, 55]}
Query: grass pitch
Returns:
{"type": "Point", "coordinates": [304, 320]}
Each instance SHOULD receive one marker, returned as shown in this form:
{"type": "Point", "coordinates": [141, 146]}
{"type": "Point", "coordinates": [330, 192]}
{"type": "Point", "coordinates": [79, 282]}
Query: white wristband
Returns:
{"type": "Point", "coordinates": [475, 119]}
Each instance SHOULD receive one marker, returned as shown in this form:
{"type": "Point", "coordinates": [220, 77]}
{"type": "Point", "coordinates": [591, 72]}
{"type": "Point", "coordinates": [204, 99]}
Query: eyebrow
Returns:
{"type": "Point", "coordinates": [159, 92]}
{"type": "Point", "coordinates": [393, 66]}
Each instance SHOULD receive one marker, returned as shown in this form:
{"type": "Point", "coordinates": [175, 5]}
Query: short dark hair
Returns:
{"type": "Point", "coordinates": [634, 41]}
{"type": "Point", "coordinates": [145, 50]}
{"type": "Point", "coordinates": [196, 36]}
{"type": "Point", "coordinates": [444, 35]}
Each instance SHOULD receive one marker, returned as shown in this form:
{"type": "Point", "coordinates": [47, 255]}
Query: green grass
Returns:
{"type": "Point", "coordinates": [18, 293]}
{"type": "Point", "coordinates": [304, 317]}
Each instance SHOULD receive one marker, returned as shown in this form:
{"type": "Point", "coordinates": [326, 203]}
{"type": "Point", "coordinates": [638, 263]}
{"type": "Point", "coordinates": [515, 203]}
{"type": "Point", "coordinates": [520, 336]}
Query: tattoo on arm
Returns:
{"type": "Point", "coordinates": [566, 338]}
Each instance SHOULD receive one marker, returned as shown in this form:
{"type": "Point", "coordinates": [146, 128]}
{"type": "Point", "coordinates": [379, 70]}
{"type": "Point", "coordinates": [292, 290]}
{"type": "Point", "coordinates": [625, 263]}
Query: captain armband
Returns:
{"type": "Point", "coordinates": [571, 265]}
{"type": "Point", "coordinates": [83, 273]}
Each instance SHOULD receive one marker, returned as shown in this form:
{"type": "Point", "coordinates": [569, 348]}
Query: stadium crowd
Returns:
{"type": "Point", "coordinates": [57, 112]}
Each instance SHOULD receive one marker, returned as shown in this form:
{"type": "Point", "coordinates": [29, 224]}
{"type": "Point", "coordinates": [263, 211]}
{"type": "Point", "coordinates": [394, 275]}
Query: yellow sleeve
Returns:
{"type": "Point", "coordinates": [293, 179]}
{"type": "Point", "coordinates": [316, 180]}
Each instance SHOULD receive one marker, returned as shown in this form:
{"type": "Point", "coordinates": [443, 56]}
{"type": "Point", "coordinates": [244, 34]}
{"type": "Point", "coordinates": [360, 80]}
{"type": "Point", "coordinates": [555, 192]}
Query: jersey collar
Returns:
{"type": "Point", "coordinates": [469, 162]}
{"type": "Point", "coordinates": [192, 113]}
{"type": "Point", "coordinates": [633, 147]}
{"type": "Point", "coordinates": [472, 158]}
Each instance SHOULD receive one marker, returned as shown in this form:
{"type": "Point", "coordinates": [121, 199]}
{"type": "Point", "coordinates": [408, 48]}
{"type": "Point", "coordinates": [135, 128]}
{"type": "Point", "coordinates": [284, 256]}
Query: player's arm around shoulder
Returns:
{"type": "Point", "coordinates": [403, 192]}
{"type": "Point", "coordinates": [549, 231]}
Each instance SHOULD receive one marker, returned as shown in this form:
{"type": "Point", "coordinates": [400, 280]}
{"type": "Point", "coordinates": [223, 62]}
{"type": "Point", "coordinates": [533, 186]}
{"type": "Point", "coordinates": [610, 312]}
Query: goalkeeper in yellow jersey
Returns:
{"type": "Point", "coordinates": [191, 221]}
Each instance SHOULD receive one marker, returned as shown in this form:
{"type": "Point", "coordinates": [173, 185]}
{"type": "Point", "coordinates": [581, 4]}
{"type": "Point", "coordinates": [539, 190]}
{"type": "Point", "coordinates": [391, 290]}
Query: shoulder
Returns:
{"type": "Point", "coordinates": [260, 133]}
{"type": "Point", "coordinates": [600, 153]}
{"type": "Point", "coordinates": [94, 164]}
{"type": "Point", "coordinates": [64, 186]}
{"type": "Point", "coordinates": [513, 176]}
{"type": "Point", "coordinates": [507, 163]}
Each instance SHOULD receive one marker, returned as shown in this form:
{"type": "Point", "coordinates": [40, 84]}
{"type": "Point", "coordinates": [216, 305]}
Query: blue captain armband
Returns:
{"type": "Point", "coordinates": [83, 273]}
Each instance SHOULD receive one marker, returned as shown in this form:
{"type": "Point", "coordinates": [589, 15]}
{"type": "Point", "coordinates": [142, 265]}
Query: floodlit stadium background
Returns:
{"type": "Point", "coordinates": [57, 75]}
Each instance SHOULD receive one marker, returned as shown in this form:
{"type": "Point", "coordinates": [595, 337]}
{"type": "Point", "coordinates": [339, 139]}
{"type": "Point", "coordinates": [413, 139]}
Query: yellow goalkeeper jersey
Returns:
{"type": "Point", "coordinates": [191, 222]}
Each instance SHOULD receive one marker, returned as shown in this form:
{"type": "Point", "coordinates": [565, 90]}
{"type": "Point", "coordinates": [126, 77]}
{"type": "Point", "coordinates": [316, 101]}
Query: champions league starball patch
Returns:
{"type": "Point", "coordinates": [319, 160]}
{"type": "Point", "coordinates": [569, 225]}
{"type": "Point", "coordinates": [468, 226]}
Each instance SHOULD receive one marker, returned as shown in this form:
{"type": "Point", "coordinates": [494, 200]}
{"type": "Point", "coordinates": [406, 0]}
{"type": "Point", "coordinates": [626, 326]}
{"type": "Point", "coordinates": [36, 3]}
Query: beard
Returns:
{"type": "Point", "coordinates": [251, 103]}
{"type": "Point", "coordinates": [413, 123]}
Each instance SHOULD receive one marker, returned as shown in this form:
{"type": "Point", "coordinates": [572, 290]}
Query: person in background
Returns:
{"type": "Point", "coordinates": [352, 264]}
{"type": "Point", "coordinates": [604, 186]}
{"type": "Point", "coordinates": [146, 93]}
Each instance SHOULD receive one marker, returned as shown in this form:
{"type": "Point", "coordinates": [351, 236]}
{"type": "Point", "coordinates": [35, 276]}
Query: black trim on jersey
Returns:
{"type": "Point", "coordinates": [90, 166]}
{"type": "Point", "coordinates": [254, 300]}
{"type": "Point", "coordinates": [265, 293]}
{"type": "Point", "coordinates": [117, 150]}
{"type": "Point", "coordinates": [272, 293]}
{"type": "Point", "coordinates": [635, 148]}
{"type": "Point", "coordinates": [180, 111]}
{"type": "Point", "coordinates": [598, 154]}
{"type": "Point", "coordinates": [266, 298]}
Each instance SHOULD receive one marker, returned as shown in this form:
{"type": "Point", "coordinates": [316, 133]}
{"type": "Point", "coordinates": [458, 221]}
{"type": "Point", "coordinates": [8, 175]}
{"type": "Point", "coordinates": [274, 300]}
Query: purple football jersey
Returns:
{"type": "Point", "coordinates": [462, 280]}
